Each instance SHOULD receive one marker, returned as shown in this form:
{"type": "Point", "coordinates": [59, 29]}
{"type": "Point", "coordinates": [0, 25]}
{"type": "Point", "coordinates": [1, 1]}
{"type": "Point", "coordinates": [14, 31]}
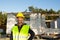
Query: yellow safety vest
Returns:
{"type": "Point", "coordinates": [22, 35]}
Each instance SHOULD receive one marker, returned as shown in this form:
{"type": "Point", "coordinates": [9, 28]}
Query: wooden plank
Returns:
{"type": "Point", "coordinates": [52, 14]}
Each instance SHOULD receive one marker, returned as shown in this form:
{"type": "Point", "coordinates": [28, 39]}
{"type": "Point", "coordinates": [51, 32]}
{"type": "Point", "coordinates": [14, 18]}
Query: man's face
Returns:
{"type": "Point", "coordinates": [20, 20]}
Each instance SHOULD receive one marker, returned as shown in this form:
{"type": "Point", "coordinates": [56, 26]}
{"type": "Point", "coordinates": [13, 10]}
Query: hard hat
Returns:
{"type": "Point", "coordinates": [20, 14]}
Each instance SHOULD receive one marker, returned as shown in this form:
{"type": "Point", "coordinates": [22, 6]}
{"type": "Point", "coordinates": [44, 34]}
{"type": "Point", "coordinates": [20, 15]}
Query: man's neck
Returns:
{"type": "Point", "coordinates": [20, 24]}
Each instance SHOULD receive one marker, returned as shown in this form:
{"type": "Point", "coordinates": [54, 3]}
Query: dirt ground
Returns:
{"type": "Point", "coordinates": [9, 39]}
{"type": "Point", "coordinates": [4, 39]}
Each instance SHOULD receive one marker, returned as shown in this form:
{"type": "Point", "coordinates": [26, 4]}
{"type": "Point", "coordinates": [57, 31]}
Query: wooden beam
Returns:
{"type": "Point", "coordinates": [48, 20]}
{"type": "Point", "coordinates": [52, 14]}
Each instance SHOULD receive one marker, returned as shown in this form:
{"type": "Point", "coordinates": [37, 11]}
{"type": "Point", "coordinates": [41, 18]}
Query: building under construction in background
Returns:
{"type": "Point", "coordinates": [44, 25]}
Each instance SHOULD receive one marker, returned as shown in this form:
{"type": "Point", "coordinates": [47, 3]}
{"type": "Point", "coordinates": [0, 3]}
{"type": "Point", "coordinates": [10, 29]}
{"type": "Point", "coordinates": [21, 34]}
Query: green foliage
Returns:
{"type": "Point", "coordinates": [3, 19]}
{"type": "Point", "coordinates": [39, 10]}
{"type": "Point", "coordinates": [58, 11]}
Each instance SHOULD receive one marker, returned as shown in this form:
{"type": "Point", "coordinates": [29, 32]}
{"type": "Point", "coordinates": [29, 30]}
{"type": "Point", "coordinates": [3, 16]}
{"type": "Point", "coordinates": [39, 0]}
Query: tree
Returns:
{"type": "Point", "coordinates": [58, 11]}
{"type": "Point", "coordinates": [3, 19]}
{"type": "Point", "coordinates": [34, 10]}
{"type": "Point", "coordinates": [51, 11]}
{"type": "Point", "coordinates": [0, 18]}
{"type": "Point", "coordinates": [31, 9]}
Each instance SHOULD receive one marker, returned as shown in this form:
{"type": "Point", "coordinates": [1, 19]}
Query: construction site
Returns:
{"type": "Point", "coordinates": [44, 29]}
{"type": "Point", "coordinates": [29, 20]}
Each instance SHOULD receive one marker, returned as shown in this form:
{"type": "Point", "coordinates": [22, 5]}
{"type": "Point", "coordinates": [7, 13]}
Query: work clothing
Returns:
{"type": "Point", "coordinates": [25, 32]}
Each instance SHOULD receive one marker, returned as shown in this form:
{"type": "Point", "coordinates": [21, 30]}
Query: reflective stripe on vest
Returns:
{"type": "Point", "coordinates": [22, 35]}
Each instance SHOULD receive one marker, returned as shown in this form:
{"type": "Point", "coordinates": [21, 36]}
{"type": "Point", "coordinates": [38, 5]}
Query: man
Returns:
{"type": "Point", "coordinates": [21, 30]}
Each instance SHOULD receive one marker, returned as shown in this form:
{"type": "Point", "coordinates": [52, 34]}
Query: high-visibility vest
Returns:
{"type": "Point", "coordinates": [22, 35]}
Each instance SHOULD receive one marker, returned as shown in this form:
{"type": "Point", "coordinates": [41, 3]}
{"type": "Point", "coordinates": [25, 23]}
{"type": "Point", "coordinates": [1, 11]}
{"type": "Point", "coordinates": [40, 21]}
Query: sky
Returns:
{"type": "Point", "coordinates": [22, 5]}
